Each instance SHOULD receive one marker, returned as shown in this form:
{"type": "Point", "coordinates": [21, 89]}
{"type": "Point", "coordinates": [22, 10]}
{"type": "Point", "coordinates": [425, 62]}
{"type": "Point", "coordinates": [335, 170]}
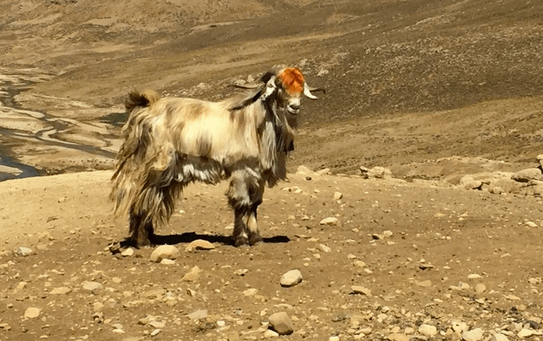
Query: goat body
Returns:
{"type": "Point", "coordinates": [171, 142]}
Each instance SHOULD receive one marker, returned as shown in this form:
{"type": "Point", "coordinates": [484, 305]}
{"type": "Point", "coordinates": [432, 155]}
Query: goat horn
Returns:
{"type": "Point", "coordinates": [312, 89]}
{"type": "Point", "coordinates": [245, 86]}
{"type": "Point", "coordinates": [308, 94]}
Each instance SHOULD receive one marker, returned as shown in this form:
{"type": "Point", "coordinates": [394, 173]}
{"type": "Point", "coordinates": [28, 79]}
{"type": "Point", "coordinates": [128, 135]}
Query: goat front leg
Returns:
{"type": "Point", "coordinates": [255, 193]}
{"type": "Point", "coordinates": [244, 197]}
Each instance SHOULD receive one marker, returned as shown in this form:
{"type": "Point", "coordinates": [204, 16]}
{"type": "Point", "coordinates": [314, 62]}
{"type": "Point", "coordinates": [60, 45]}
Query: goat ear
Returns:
{"type": "Point", "coordinates": [269, 88]}
{"type": "Point", "coordinates": [308, 94]}
{"type": "Point", "coordinates": [266, 77]}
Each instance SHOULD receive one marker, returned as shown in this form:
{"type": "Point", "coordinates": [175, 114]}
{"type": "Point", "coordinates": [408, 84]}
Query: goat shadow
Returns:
{"type": "Point", "coordinates": [187, 237]}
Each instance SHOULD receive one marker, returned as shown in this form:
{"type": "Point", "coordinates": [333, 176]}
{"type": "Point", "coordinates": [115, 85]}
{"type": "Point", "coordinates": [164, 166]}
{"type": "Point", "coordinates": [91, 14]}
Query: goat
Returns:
{"type": "Point", "coordinates": [170, 142]}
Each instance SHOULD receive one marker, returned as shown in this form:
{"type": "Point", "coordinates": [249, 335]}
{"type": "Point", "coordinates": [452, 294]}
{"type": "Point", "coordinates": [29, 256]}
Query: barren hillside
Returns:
{"type": "Point", "coordinates": [446, 94]}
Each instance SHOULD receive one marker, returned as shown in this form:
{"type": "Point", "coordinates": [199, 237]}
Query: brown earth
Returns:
{"type": "Point", "coordinates": [431, 90]}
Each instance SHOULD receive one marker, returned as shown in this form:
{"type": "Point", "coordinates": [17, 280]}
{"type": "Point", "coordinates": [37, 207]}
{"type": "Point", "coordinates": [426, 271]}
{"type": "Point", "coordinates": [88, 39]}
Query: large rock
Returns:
{"type": "Point", "coordinates": [428, 330]}
{"type": "Point", "coordinates": [93, 287]}
{"type": "Point", "coordinates": [164, 252]}
{"type": "Point", "coordinates": [376, 173]}
{"type": "Point", "coordinates": [199, 244]}
{"type": "Point", "coordinates": [198, 314]}
{"type": "Point", "coordinates": [281, 323]}
{"type": "Point", "coordinates": [32, 312]}
{"type": "Point", "coordinates": [23, 251]}
{"type": "Point", "coordinates": [330, 221]}
{"type": "Point", "coordinates": [291, 278]}
{"type": "Point", "coordinates": [304, 170]}
{"type": "Point", "coordinates": [473, 335]}
{"type": "Point", "coordinates": [527, 175]}
{"type": "Point", "coordinates": [193, 275]}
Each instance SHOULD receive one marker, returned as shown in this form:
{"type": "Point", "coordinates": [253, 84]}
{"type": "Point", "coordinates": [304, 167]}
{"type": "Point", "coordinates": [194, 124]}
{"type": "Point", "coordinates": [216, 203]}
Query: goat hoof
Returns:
{"type": "Point", "coordinates": [255, 239]}
{"type": "Point", "coordinates": [128, 242]}
{"type": "Point", "coordinates": [141, 242]}
{"type": "Point", "coordinates": [241, 241]}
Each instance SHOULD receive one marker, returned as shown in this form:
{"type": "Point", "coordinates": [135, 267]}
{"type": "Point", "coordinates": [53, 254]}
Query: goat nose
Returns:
{"type": "Point", "coordinates": [294, 106]}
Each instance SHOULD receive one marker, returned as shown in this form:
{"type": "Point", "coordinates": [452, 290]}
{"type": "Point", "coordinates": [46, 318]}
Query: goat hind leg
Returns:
{"type": "Point", "coordinates": [141, 231]}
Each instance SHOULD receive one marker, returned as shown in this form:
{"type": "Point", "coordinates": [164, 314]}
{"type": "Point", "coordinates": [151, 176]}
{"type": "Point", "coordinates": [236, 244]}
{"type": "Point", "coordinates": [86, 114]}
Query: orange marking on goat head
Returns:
{"type": "Point", "coordinates": [293, 80]}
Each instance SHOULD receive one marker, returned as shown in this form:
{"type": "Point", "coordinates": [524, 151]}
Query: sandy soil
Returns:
{"type": "Point", "coordinates": [432, 91]}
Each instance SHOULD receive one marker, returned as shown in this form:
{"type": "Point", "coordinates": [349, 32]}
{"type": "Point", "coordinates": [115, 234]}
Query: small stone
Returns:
{"type": "Point", "coordinates": [154, 293]}
{"type": "Point", "coordinates": [46, 235]}
{"type": "Point", "coordinates": [524, 332]}
{"type": "Point", "coordinates": [498, 337]}
{"type": "Point", "coordinates": [93, 287]}
{"type": "Point", "coordinates": [425, 284]}
{"type": "Point", "coordinates": [330, 221]}
{"type": "Point", "coordinates": [270, 334]}
{"type": "Point", "coordinates": [333, 338]}
{"type": "Point", "coordinates": [60, 291]}
{"type": "Point", "coordinates": [128, 252]}
{"type": "Point", "coordinates": [387, 234]}
{"type": "Point", "coordinates": [480, 288]}
{"type": "Point", "coordinates": [155, 332]}
{"type": "Point", "coordinates": [473, 335]}
{"type": "Point", "coordinates": [398, 337]}
{"type": "Point", "coordinates": [281, 323]}
{"type": "Point", "coordinates": [365, 330]}
{"type": "Point", "coordinates": [474, 276]}
{"type": "Point", "coordinates": [23, 251]}
{"type": "Point", "coordinates": [199, 244]}
{"type": "Point", "coordinates": [157, 324]}
{"type": "Point", "coordinates": [164, 252]}
{"type": "Point", "coordinates": [357, 289]}
{"type": "Point", "coordinates": [241, 272]}
{"type": "Point", "coordinates": [291, 278]}
{"type": "Point", "coordinates": [496, 190]}
{"type": "Point", "coordinates": [5, 326]}
{"type": "Point", "coordinates": [32, 312]}
{"type": "Point", "coordinates": [359, 263]}
{"type": "Point", "coordinates": [198, 314]}
{"type": "Point", "coordinates": [167, 261]}
{"type": "Point", "coordinates": [250, 292]}
{"type": "Point", "coordinates": [233, 336]}
{"type": "Point", "coordinates": [531, 224]}
{"type": "Point", "coordinates": [475, 184]}
{"type": "Point", "coordinates": [338, 195]}
{"type": "Point", "coordinates": [325, 171]}
{"type": "Point", "coordinates": [428, 330]}
{"type": "Point", "coordinates": [324, 248]}
{"type": "Point", "coordinates": [460, 327]}
{"type": "Point", "coordinates": [192, 275]}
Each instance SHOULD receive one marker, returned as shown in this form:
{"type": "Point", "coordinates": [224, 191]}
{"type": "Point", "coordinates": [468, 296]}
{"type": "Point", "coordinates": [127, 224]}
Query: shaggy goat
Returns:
{"type": "Point", "coordinates": [171, 142]}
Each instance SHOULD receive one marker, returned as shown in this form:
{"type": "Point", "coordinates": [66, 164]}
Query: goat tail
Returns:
{"type": "Point", "coordinates": [142, 99]}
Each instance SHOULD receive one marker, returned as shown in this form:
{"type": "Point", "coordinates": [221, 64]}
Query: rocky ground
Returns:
{"type": "Point", "coordinates": [422, 221]}
{"type": "Point", "coordinates": [377, 259]}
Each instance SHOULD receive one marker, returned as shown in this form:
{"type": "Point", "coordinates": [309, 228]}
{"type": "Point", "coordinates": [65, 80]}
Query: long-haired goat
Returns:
{"type": "Point", "coordinates": [171, 142]}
